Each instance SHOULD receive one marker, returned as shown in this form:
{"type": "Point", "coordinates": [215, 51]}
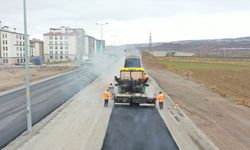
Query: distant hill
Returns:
{"type": "Point", "coordinates": [230, 47]}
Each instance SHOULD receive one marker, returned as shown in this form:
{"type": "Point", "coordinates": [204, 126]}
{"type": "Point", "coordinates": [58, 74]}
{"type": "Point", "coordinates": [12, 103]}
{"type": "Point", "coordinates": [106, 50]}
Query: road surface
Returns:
{"type": "Point", "coordinates": [83, 123]}
{"type": "Point", "coordinates": [137, 128]}
{"type": "Point", "coordinates": [45, 97]}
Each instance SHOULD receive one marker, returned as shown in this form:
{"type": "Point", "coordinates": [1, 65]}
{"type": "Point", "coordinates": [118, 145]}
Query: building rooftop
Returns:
{"type": "Point", "coordinates": [62, 31]}
{"type": "Point", "coordinates": [36, 40]}
{"type": "Point", "coordinates": [58, 34]}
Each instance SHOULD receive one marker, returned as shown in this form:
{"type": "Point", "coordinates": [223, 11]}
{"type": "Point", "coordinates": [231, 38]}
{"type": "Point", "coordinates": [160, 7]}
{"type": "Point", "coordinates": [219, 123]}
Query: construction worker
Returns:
{"type": "Point", "coordinates": [111, 88]}
{"type": "Point", "coordinates": [145, 77]}
{"type": "Point", "coordinates": [160, 98]}
{"type": "Point", "coordinates": [106, 96]}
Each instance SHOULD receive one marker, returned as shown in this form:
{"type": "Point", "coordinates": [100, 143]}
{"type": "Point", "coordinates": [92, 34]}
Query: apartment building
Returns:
{"type": "Point", "coordinates": [36, 48]}
{"type": "Point", "coordinates": [64, 44]}
{"type": "Point", "coordinates": [90, 46]}
{"type": "Point", "coordinates": [12, 46]}
{"type": "Point", "coordinates": [93, 46]}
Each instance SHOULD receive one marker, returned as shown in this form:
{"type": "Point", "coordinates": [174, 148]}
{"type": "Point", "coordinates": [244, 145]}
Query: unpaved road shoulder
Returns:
{"type": "Point", "coordinates": [225, 123]}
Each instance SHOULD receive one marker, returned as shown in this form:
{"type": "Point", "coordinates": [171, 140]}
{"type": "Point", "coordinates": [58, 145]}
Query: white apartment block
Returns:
{"type": "Point", "coordinates": [64, 44]}
{"type": "Point", "coordinates": [12, 46]}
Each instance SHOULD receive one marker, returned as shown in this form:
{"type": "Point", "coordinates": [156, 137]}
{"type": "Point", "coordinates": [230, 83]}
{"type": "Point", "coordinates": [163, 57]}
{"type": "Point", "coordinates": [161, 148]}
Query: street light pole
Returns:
{"type": "Point", "coordinates": [101, 25]}
{"type": "Point", "coordinates": [28, 105]}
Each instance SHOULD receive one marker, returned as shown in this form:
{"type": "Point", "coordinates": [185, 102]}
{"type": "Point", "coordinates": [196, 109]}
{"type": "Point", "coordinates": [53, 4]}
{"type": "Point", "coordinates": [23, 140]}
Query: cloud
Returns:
{"type": "Point", "coordinates": [127, 14]}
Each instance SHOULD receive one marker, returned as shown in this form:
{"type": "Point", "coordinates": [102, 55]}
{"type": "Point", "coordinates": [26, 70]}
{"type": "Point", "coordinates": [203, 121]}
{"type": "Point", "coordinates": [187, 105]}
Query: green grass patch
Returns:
{"type": "Point", "coordinates": [182, 65]}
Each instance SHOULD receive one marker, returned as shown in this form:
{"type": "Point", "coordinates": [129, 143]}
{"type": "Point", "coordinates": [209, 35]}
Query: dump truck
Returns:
{"type": "Point", "coordinates": [130, 85]}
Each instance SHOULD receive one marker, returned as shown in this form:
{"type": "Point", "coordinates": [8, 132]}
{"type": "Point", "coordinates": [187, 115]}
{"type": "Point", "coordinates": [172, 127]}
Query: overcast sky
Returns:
{"type": "Point", "coordinates": [130, 21]}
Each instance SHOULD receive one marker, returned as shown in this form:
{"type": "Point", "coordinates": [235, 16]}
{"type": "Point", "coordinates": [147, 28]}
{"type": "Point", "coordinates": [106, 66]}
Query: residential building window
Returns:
{"type": "Point", "coordinates": [23, 37]}
{"type": "Point", "coordinates": [55, 37]}
{"type": "Point", "coordinates": [3, 54]}
{"type": "Point", "coordinates": [17, 54]}
{"type": "Point", "coordinates": [56, 57]}
{"type": "Point", "coordinates": [51, 52]}
{"type": "Point", "coordinates": [55, 47]}
{"type": "Point", "coordinates": [56, 52]}
{"type": "Point", "coordinates": [17, 49]}
{"type": "Point", "coordinates": [61, 52]}
{"type": "Point", "coordinates": [16, 36]}
{"type": "Point", "coordinates": [51, 57]}
{"type": "Point", "coordinates": [20, 43]}
{"type": "Point", "coordinates": [61, 47]}
{"type": "Point", "coordinates": [61, 57]}
{"type": "Point", "coordinates": [6, 42]}
{"type": "Point", "coordinates": [6, 48]}
{"type": "Point", "coordinates": [51, 47]}
{"type": "Point", "coordinates": [51, 37]}
{"type": "Point", "coordinates": [23, 44]}
{"type": "Point", "coordinates": [16, 42]}
{"type": "Point", "coordinates": [21, 55]}
{"type": "Point", "coordinates": [3, 48]}
{"type": "Point", "coordinates": [61, 37]}
{"type": "Point", "coordinates": [5, 35]}
{"type": "Point", "coordinates": [3, 42]}
{"type": "Point", "coordinates": [66, 55]}
{"type": "Point", "coordinates": [66, 47]}
{"type": "Point", "coordinates": [20, 48]}
{"type": "Point", "coordinates": [50, 42]}
{"type": "Point", "coordinates": [61, 43]}
{"type": "Point", "coordinates": [7, 61]}
{"type": "Point", "coordinates": [20, 37]}
{"type": "Point", "coordinates": [66, 42]}
{"type": "Point", "coordinates": [56, 42]}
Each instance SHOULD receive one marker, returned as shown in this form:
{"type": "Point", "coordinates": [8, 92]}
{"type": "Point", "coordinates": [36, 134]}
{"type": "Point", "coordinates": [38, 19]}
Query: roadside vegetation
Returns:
{"type": "Point", "coordinates": [229, 77]}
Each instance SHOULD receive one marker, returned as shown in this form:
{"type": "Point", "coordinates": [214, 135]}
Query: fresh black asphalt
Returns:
{"type": "Point", "coordinates": [137, 128]}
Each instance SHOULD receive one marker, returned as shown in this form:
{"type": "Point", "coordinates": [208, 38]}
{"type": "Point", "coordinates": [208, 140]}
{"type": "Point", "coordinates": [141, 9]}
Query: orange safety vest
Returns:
{"type": "Point", "coordinates": [160, 97]}
{"type": "Point", "coordinates": [106, 95]}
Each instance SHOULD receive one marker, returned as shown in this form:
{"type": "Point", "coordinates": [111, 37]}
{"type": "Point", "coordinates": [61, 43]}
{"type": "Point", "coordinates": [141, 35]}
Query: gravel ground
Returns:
{"type": "Point", "coordinates": [226, 124]}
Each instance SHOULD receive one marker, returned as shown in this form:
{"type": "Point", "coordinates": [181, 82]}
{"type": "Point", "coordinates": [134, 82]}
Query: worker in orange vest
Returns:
{"type": "Point", "coordinates": [145, 77]}
{"type": "Point", "coordinates": [106, 96]}
{"type": "Point", "coordinates": [160, 98]}
{"type": "Point", "coordinates": [111, 88]}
